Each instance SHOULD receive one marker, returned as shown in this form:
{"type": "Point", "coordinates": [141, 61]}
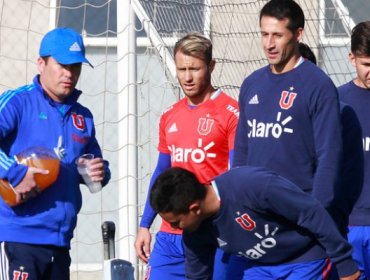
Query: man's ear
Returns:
{"type": "Point", "coordinates": [299, 34]}
{"type": "Point", "coordinates": [41, 64]}
{"type": "Point", "coordinates": [352, 59]}
{"type": "Point", "coordinates": [194, 208]}
{"type": "Point", "coordinates": [211, 66]}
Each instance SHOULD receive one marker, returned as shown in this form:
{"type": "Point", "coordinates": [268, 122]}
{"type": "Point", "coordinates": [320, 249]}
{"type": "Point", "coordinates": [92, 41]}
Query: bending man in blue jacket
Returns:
{"type": "Point", "coordinates": [35, 235]}
{"type": "Point", "coordinates": [256, 214]}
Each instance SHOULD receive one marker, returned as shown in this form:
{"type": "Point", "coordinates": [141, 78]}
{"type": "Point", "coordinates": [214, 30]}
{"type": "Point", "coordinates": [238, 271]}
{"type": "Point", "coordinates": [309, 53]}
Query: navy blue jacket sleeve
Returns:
{"type": "Point", "coordinates": [328, 142]}
{"type": "Point", "coordinates": [349, 185]}
{"type": "Point", "coordinates": [307, 212]}
{"type": "Point", "coordinates": [241, 135]}
{"type": "Point", "coordinates": [200, 249]}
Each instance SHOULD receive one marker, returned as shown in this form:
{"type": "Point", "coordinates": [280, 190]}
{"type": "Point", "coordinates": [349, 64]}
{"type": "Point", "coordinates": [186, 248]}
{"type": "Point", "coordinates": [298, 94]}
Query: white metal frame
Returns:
{"type": "Point", "coordinates": [344, 15]}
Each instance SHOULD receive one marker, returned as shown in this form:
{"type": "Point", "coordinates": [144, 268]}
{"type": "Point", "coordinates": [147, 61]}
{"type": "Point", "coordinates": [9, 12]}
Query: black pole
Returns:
{"type": "Point", "coordinates": [108, 231]}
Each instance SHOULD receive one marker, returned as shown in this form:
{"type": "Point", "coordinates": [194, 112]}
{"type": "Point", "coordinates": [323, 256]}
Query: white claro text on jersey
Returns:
{"type": "Point", "coordinates": [269, 129]}
{"type": "Point", "coordinates": [196, 155]}
{"type": "Point", "coordinates": [366, 144]}
{"type": "Point", "coordinates": [261, 248]}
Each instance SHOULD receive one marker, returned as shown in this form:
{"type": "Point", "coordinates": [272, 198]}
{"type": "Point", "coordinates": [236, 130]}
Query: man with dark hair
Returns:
{"type": "Point", "coordinates": [289, 110]}
{"type": "Point", "coordinates": [356, 94]}
{"type": "Point", "coordinates": [281, 231]}
{"type": "Point", "coordinates": [35, 235]}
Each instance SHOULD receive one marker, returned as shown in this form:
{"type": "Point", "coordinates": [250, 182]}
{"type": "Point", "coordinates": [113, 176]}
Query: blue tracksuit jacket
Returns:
{"type": "Point", "coordinates": [29, 118]}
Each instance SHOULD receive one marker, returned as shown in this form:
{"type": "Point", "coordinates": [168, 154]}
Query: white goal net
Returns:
{"type": "Point", "coordinates": [130, 44]}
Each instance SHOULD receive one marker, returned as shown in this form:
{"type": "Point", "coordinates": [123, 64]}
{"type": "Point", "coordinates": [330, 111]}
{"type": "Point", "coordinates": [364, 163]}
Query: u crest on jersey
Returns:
{"type": "Point", "coordinates": [205, 126]}
{"type": "Point", "coordinates": [20, 275]}
{"type": "Point", "coordinates": [78, 121]}
{"type": "Point", "coordinates": [287, 99]}
{"type": "Point", "coordinates": [246, 222]}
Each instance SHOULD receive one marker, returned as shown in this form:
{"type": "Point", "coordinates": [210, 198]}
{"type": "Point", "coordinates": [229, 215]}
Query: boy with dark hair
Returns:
{"type": "Point", "coordinates": [356, 94]}
{"type": "Point", "coordinates": [282, 232]}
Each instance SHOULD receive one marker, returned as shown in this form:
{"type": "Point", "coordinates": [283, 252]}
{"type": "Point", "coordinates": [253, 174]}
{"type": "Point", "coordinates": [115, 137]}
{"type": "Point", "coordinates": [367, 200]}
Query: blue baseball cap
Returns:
{"type": "Point", "coordinates": [65, 45]}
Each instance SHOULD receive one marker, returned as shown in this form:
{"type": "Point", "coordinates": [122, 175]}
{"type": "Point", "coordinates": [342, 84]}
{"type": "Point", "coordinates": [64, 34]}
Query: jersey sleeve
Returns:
{"type": "Point", "coordinates": [232, 124]}
{"type": "Point", "coordinates": [162, 144]}
{"type": "Point", "coordinates": [200, 249]}
{"type": "Point", "coordinates": [241, 135]}
{"type": "Point", "coordinates": [10, 114]}
{"type": "Point", "coordinates": [351, 175]}
{"type": "Point", "coordinates": [328, 142]}
{"type": "Point", "coordinates": [302, 209]}
{"type": "Point", "coordinates": [164, 162]}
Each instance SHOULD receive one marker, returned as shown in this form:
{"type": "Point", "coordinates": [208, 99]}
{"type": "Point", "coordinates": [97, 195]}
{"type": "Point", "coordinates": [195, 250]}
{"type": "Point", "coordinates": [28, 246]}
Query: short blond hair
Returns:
{"type": "Point", "coordinates": [196, 45]}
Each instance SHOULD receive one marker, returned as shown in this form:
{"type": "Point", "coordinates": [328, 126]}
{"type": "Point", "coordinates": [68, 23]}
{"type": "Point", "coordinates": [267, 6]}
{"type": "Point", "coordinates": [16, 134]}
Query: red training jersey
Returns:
{"type": "Point", "coordinates": [199, 138]}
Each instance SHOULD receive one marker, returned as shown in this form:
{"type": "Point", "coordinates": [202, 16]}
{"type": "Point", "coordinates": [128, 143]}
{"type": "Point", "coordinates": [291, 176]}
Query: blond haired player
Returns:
{"type": "Point", "coordinates": [196, 133]}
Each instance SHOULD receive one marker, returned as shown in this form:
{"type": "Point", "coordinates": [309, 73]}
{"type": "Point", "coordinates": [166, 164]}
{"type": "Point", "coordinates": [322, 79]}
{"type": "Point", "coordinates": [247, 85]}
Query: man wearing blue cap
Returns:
{"type": "Point", "coordinates": [35, 234]}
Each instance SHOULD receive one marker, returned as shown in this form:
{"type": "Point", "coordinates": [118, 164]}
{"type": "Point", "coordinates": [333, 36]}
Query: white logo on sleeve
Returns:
{"type": "Point", "coordinates": [254, 100]}
{"type": "Point", "coordinates": [233, 110]}
{"type": "Point", "coordinates": [173, 128]}
{"type": "Point", "coordinates": [221, 243]}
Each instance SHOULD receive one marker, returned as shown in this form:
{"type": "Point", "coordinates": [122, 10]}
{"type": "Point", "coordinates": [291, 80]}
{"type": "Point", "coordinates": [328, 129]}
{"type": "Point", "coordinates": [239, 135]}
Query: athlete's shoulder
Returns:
{"type": "Point", "coordinates": [311, 72]}
{"type": "Point", "coordinates": [257, 74]}
{"type": "Point", "coordinates": [254, 80]}
{"type": "Point", "coordinates": [242, 176]}
{"type": "Point", "coordinates": [228, 104]}
{"type": "Point", "coordinates": [16, 95]}
{"type": "Point", "coordinates": [227, 98]}
{"type": "Point", "coordinates": [244, 183]}
{"type": "Point", "coordinates": [22, 90]}
{"type": "Point", "coordinates": [80, 109]}
{"type": "Point", "coordinates": [314, 82]}
{"type": "Point", "coordinates": [344, 89]}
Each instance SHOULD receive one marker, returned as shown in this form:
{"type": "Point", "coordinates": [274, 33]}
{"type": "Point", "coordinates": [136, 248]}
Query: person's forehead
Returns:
{"type": "Point", "coordinates": [188, 58]}
{"type": "Point", "coordinates": [273, 21]}
{"type": "Point", "coordinates": [363, 58]}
